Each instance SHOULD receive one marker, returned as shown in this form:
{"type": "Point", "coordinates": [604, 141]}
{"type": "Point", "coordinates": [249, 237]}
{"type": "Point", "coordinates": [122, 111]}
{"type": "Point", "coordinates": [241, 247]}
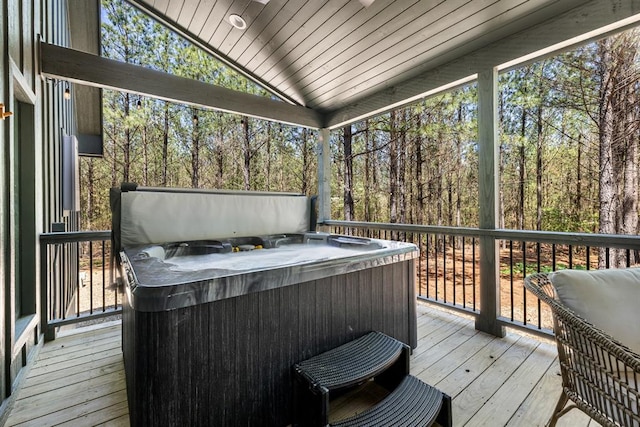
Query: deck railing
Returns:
{"type": "Point", "coordinates": [77, 279]}
{"type": "Point", "coordinates": [450, 264]}
{"type": "Point", "coordinates": [79, 282]}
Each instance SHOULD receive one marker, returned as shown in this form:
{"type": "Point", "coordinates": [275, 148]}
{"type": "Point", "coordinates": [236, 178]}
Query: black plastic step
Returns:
{"type": "Point", "coordinates": [353, 362]}
{"type": "Point", "coordinates": [412, 403]}
{"type": "Point", "coordinates": [374, 355]}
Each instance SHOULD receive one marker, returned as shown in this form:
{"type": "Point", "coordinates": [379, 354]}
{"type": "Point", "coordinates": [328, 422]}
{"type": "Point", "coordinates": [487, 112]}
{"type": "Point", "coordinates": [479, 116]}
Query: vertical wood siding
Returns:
{"type": "Point", "coordinates": [22, 24]}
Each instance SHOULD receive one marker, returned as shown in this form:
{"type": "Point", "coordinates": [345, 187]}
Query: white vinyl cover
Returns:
{"type": "Point", "coordinates": [163, 217]}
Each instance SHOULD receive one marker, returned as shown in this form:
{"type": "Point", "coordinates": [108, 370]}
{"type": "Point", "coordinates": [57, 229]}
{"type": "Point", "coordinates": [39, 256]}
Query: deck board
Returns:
{"type": "Point", "coordinates": [516, 388]}
{"type": "Point", "coordinates": [78, 379]}
{"type": "Point", "coordinates": [535, 409]}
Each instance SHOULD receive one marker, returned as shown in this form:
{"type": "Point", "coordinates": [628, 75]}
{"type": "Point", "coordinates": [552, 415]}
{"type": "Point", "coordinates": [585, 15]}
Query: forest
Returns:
{"type": "Point", "coordinates": [568, 141]}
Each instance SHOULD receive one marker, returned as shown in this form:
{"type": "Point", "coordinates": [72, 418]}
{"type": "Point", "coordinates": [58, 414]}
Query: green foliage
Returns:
{"type": "Point", "coordinates": [518, 269]}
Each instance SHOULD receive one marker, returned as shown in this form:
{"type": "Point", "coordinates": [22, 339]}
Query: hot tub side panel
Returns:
{"type": "Point", "coordinates": [229, 362]}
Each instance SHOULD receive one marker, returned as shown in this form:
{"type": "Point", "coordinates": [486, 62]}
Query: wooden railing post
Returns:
{"type": "Point", "coordinates": [488, 184]}
{"type": "Point", "coordinates": [45, 268]}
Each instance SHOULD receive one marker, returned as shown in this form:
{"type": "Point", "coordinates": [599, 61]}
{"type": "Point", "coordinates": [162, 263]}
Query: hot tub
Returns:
{"type": "Point", "coordinates": [213, 325]}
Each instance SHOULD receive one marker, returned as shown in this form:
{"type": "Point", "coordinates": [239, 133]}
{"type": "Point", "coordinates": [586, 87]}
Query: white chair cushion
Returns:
{"type": "Point", "coordinates": [609, 299]}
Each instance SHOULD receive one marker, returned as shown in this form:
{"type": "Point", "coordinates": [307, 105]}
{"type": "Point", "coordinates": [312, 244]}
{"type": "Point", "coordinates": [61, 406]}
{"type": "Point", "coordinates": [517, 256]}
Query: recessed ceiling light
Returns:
{"type": "Point", "coordinates": [237, 21]}
{"type": "Point", "coordinates": [263, 1]}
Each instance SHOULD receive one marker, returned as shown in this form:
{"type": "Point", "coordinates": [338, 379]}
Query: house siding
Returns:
{"type": "Point", "coordinates": [30, 174]}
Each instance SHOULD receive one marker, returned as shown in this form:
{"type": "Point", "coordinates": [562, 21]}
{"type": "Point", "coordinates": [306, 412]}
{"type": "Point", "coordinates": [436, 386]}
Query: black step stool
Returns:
{"type": "Point", "coordinates": [372, 356]}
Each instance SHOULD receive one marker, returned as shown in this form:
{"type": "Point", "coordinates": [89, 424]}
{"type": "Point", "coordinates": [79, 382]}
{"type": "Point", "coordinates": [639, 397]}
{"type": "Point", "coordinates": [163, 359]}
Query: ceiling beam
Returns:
{"type": "Point", "coordinates": [590, 16]}
{"type": "Point", "coordinates": [92, 70]}
{"type": "Point", "coordinates": [84, 31]}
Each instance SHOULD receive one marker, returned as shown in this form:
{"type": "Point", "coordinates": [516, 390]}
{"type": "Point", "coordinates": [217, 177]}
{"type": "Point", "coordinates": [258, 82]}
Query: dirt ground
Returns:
{"type": "Point", "coordinates": [449, 276]}
{"type": "Point", "coordinates": [97, 293]}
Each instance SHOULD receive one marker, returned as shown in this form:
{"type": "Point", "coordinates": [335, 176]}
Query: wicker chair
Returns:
{"type": "Point", "coordinates": [599, 375]}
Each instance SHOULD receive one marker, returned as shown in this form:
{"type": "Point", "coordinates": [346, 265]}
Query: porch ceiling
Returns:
{"type": "Point", "coordinates": [345, 61]}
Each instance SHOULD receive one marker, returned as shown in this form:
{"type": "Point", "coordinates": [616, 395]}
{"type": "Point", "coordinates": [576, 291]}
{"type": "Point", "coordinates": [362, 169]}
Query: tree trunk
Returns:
{"type": "Point", "coordinates": [195, 152]}
{"type": "Point", "coordinates": [402, 166]}
{"type": "Point", "coordinates": [630, 169]}
{"type": "Point", "coordinates": [367, 172]}
{"type": "Point", "coordinates": [219, 152]}
{"type": "Point", "coordinates": [375, 167]}
{"type": "Point", "coordinates": [439, 182]}
{"type": "Point", "coordinates": [247, 154]}
{"type": "Point", "coordinates": [90, 194]}
{"type": "Point", "coordinates": [578, 198]}
{"type": "Point", "coordinates": [522, 170]}
{"type": "Point", "coordinates": [618, 138]}
{"type": "Point", "coordinates": [418, 174]}
{"type": "Point", "coordinates": [539, 146]}
{"type": "Point", "coordinates": [347, 139]}
{"type": "Point", "coordinates": [458, 174]}
{"type": "Point", "coordinates": [629, 129]}
{"type": "Point", "coordinates": [114, 159]}
{"type": "Point", "coordinates": [608, 199]}
{"type": "Point", "coordinates": [145, 157]}
{"type": "Point", "coordinates": [305, 160]}
{"type": "Point", "coordinates": [165, 144]}
{"type": "Point", "coordinates": [126, 150]}
{"type": "Point", "coordinates": [430, 179]}
{"type": "Point", "coordinates": [501, 167]}
{"type": "Point", "coordinates": [449, 199]}
{"type": "Point", "coordinates": [393, 168]}
{"type": "Point", "coordinates": [268, 155]}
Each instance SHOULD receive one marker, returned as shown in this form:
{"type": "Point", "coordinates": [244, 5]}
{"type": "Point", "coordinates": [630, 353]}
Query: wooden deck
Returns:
{"type": "Point", "coordinates": [78, 379]}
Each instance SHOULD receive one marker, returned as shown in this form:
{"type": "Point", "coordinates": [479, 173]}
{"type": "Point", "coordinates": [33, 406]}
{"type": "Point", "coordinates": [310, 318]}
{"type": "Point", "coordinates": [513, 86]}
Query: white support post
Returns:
{"type": "Point", "coordinates": [324, 175]}
{"type": "Point", "coordinates": [488, 183]}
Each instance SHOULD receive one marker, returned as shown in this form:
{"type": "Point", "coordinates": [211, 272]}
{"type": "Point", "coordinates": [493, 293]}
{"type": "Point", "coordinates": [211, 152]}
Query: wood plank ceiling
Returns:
{"type": "Point", "coordinates": [329, 54]}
